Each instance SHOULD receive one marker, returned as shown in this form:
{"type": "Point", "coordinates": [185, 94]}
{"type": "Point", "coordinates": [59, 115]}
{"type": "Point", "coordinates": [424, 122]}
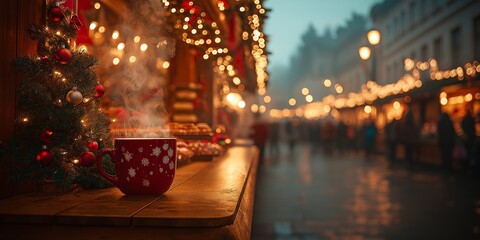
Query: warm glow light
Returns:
{"type": "Point", "coordinates": [262, 109]}
{"type": "Point", "coordinates": [309, 98]}
{"type": "Point", "coordinates": [101, 29]}
{"type": "Point", "coordinates": [93, 25]}
{"type": "Point", "coordinates": [339, 89]}
{"type": "Point", "coordinates": [305, 91]}
{"type": "Point", "coordinates": [326, 108]}
{"type": "Point", "coordinates": [115, 34]}
{"type": "Point", "coordinates": [443, 101]}
{"type": "Point", "coordinates": [327, 83]}
{"type": "Point", "coordinates": [364, 52]}
{"type": "Point", "coordinates": [136, 39]}
{"type": "Point", "coordinates": [116, 61]}
{"type": "Point", "coordinates": [132, 59]}
{"type": "Point", "coordinates": [267, 99]}
{"type": "Point", "coordinates": [254, 108]}
{"type": "Point", "coordinates": [367, 109]}
{"type": "Point", "coordinates": [76, 161]}
{"type": "Point", "coordinates": [25, 119]}
{"type": "Point", "coordinates": [97, 5]}
{"type": "Point", "coordinates": [166, 64]}
{"type": "Point", "coordinates": [292, 101]}
{"type": "Point", "coordinates": [468, 97]}
{"type": "Point", "coordinates": [234, 98]}
{"type": "Point", "coordinates": [121, 46]}
{"type": "Point", "coordinates": [396, 105]}
{"type": "Point", "coordinates": [373, 37]}
{"type": "Point", "coordinates": [143, 47]}
{"type": "Point", "coordinates": [241, 104]}
{"type": "Point", "coordinates": [236, 81]}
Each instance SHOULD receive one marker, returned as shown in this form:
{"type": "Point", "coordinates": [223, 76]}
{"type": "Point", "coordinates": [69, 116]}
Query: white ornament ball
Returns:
{"type": "Point", "coordinates": [74, 97]}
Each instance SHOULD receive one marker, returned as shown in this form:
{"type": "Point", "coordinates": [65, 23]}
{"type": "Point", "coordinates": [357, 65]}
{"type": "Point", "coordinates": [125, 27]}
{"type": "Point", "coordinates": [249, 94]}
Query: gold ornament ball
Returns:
{"type": "Point", "coordinates": [74, 97]}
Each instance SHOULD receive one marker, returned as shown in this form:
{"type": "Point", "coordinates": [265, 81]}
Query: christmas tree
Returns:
{"type": "Point", "coordinates": [60, 123]}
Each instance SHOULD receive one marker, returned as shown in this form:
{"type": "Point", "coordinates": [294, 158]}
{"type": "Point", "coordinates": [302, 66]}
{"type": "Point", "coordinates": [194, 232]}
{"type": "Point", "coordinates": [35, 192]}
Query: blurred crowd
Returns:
{"type": "Point", "coordinates": [398, 139]}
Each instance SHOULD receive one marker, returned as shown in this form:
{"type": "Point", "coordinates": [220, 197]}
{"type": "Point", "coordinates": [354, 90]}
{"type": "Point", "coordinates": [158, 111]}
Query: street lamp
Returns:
{"type": "Point", "coordinates": [364, 52]}
{"type": "Point", "coordinates": [373, 37]}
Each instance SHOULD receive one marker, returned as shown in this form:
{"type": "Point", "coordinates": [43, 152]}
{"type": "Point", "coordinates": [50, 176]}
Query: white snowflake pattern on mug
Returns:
{"type": "Point", "coordinates": [123, 149]}
{"type": "Point", "coordinates": [128, 156]}
{"type": "Point", "coordinates": [161, 170]}
{"type": "Point", "coordinates": [132, 172]}
{"type": "Point", "coordinates": [146, 183]}
{"type": "Point", "coordinates": [151, 172]}
{"type": "Point", "coordinates": [145, 162]}
{"type": "Point", "coordinates": [170, 152]}
{"type": "Point", "coordinates": [165, 146]}
{"type": "Point", "coordinates": [170, 165]}
{"type": "Point", "coordinates": [166, 159]}
{"type": "Point", "coordinates": [140, 149]}
{"type": "Point", "coordinates": [156, 151]}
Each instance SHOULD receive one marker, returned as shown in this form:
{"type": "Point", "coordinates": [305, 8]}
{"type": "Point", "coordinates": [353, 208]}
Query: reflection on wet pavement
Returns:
{"type": "Point", "coordinates": [307, 194]}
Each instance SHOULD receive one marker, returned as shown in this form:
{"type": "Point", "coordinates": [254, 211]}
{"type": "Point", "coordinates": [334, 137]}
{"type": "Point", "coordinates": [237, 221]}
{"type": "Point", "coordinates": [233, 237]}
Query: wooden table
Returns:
{"type": "Point", "coordinates": [208, 200]}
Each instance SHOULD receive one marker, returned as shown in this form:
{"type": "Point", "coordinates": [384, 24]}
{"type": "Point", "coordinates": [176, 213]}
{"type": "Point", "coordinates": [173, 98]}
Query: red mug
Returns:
{"type": "Point", "coordinates": [143, 166]}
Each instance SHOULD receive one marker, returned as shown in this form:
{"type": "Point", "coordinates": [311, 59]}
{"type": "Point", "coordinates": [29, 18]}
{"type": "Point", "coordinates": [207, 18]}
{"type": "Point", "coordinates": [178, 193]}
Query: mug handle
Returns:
{"type": "Point", "coordinates": [111, 178]}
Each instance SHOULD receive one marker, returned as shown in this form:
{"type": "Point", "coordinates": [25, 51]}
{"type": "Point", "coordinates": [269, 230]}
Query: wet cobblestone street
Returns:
{"type": "Point", "coordinates": [307, 194]}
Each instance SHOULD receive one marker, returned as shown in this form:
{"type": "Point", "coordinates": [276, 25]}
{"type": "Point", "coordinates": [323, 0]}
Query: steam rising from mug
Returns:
{"type": "Point", "coordinates": [136, 83]}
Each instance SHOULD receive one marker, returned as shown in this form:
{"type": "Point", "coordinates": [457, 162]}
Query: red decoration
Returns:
{"type": "Point", "coordinates": [75, 19]}
{"type": "Point", "coordinates": [87, 159]}
{"type": "Point", "coordinates": [92, 146]}
{"type": "Point", "coordinates": [44, 157]}
{"type": "Point", "coordinates": [99, 90]}
{"type": "Point", "coordinates": [56, 14]}
{"type": "Point", "coordinates": [63, 55]}
{"type": "Point", "coordinates": [46, 136]}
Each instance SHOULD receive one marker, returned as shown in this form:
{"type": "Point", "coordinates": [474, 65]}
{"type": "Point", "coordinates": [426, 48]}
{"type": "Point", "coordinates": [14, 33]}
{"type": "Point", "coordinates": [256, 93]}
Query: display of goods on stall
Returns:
{"type": "Point", "coordinates": [184, 153]}
{"type": "Point", "coordinates": [191, 130]}
{"type": "Point", "coordinates": [205, 150]}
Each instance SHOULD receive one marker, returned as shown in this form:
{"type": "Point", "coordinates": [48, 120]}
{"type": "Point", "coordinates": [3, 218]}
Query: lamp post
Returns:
{"type": "Point", "coordinates": [373, 37]}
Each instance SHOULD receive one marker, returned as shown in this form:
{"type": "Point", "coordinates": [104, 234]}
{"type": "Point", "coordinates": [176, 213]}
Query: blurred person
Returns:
{"type": "Point", "coordinates": [369, 137]}
{"type": "Point", "coordinates": [446, 140]}
{"type": "Point", "coordinates": [391, 132]}
{"type": "Point", "coordinates": [328, 132]}
{"type": "Point", "coordinates": [409, 135]}
{"type": "Point", "coordinates": [468, 127]}
{"type": "Point", "coordinates": [274, 136]}
{"type": "Point", "coordinates": [259, 134]}
{"type": "Point", "coordinates": [341, 136]}
{"type": "Point", "coordinates": [290, 129]}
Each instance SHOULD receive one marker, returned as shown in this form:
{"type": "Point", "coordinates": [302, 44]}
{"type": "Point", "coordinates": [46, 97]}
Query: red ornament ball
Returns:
{"type": "Point", "coordinates": [55, 13]}
{"type": "Point", "coordinates": [63, 55]}
{"type": "Point", "coordinates": [92, 146]}
{"type": "Point", "coordinates": [44, 157]}
{"type": "Point", "coordinates": [46, 136]}
{"type": "Point", "coordinates": [99, 90]}
{"type": "Point", "coordinates": [87, 159]}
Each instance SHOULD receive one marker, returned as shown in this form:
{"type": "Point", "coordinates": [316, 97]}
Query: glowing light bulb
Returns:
{"type": "Point", "coordinates": [121, 46]}
{"type": "Point", "coordinates": [115, 34]}
{"type": "Point", "coordinates": [116, 61]}
{"type": "Point", "coordinates": [143, 47]}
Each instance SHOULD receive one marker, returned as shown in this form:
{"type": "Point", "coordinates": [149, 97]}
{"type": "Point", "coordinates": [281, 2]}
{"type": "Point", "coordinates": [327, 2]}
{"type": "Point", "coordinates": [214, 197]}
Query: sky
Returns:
{"type": "Point", "coordinates": [289, 19]}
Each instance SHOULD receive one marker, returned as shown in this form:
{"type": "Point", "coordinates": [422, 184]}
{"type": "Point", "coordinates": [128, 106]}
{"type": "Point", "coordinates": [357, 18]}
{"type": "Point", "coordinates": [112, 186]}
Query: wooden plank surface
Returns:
{"type": "Point", "coordinates": [116, 209]}
{"type": "Point", "coordinates": [210, 198]}
{"type": "Point", "coordinates": [35, 208]}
